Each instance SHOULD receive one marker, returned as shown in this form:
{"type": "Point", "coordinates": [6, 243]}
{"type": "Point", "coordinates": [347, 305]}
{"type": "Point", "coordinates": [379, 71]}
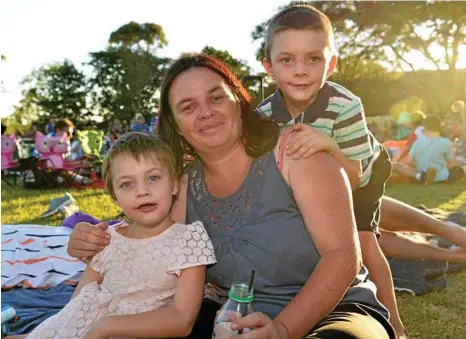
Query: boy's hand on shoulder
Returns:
{"type": "Point", "coordinates": [307, 141]}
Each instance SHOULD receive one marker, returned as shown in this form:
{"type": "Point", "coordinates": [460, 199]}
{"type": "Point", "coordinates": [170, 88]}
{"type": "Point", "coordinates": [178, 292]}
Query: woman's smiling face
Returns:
{"type": "Point", "coordinates": [206, 111]}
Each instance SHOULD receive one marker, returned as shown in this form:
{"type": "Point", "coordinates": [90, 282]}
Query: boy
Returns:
{"type": "Point", "coordinates": [431, 156]}
{"type": "Point", "coordinates": [300, 56]}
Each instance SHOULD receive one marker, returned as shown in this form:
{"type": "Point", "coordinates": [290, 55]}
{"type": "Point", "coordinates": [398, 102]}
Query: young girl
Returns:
{"type": "Point", "coordinates": [149, 281]}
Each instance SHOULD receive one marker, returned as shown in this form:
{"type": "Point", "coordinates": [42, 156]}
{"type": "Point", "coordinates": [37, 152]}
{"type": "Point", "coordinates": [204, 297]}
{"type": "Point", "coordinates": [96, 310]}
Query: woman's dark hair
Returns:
{"type": "Point", "coordinates": [259, 135]}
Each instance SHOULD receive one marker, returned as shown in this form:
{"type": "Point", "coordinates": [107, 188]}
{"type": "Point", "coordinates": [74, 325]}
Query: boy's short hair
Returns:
{"type": "Point", "coordinates": [138, 144]}
{"type": "Point", "coordinates": [417, 118]}
{"type": "Point", "coordinates": [300, 16]}
{"type": "Point", "coordinates": [63, 124]}
{"type": "Point", "coordinates": [432, 123]}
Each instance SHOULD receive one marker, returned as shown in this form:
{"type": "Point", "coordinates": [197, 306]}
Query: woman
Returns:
{"type": "Point", "coordinates": [290, 220]}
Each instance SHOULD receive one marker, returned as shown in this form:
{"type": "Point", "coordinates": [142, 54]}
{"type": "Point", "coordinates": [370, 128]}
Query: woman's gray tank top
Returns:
{"type": "Point", "coordinates": [260, 227]}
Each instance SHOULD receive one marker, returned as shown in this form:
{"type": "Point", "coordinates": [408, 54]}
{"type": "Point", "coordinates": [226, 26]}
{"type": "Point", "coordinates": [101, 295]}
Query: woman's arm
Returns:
{"type": "Point", "coordinates": [176, 321]}
{"type": "Point", "coordinates": [322, 192]}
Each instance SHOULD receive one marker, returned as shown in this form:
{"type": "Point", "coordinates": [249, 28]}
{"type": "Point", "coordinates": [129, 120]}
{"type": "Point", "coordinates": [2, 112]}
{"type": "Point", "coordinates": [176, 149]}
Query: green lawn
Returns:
{"type": "Point", "coordinates": [435, 315]}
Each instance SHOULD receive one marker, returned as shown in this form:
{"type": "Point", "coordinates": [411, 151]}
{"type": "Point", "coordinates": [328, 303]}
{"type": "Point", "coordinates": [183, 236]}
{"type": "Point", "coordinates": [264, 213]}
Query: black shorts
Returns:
{"type": "Point", "coordinates": [367, 199]}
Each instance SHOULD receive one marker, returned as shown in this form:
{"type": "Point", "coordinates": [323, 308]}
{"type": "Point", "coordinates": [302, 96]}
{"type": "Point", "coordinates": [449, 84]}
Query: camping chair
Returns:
{"type": "Point", "coordinates": [53, 163]}
{"type": "Point", "coordinates": [9, 163]}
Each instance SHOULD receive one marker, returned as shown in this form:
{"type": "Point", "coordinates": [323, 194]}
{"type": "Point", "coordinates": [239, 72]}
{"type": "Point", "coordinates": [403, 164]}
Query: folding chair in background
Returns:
{"type": "Point", "coordinates": [53, 163]}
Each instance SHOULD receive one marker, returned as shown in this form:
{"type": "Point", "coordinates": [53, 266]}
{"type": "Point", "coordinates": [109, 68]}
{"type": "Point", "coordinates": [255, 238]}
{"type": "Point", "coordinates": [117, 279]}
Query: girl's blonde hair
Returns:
{"type": "Point", "coordinates": [138, 144]}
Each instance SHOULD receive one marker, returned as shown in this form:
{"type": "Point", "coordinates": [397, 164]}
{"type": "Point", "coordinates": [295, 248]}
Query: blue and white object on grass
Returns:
{"type": "Point", "coordinates": [8, 314]}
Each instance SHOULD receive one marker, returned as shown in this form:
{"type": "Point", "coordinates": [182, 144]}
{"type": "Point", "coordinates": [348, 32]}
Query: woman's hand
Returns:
{"type": "Point", "coordinates": [263, 327]}
{"type": "Point", "coordinates": [86, 240]}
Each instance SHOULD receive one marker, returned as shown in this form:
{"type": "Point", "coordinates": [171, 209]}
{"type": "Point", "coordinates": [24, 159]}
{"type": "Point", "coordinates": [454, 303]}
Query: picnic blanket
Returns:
{"type": "Point", "coordinates": [418, 277]}
{"type": "Point", "coordinates": [33, 306]}
{"type": "Point", "coordinates": [35, 256]}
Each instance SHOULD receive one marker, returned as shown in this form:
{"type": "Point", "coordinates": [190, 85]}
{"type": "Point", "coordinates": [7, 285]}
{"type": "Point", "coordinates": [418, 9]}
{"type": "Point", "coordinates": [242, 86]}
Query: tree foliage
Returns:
{"type": "Point", "coordinates": [125, 82]}
{"type": "Point", "coordinates": [147, 36]}
{"type": "Point", "coordinates": [55, 91]}
{"type": "Point", "coordinates": [127, 74]}
{"type": "Point", "coordinates": [239, 67]}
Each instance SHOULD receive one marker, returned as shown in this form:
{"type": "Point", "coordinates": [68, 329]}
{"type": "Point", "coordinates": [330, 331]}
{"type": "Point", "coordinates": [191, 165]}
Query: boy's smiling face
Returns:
{"type": "Point", "coordinates": [300, 62]}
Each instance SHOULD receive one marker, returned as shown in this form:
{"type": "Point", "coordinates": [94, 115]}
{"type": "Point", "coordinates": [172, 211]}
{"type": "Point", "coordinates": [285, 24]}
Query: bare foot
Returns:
{"type": "Point", "coordinates": [459, 254]}
{"type": "Point", "coordinates": [458, 232]}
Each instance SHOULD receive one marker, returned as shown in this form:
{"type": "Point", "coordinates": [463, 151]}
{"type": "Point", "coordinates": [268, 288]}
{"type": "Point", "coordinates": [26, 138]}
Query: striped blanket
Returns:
{"type": "Point", "coordinates": [35, 256]}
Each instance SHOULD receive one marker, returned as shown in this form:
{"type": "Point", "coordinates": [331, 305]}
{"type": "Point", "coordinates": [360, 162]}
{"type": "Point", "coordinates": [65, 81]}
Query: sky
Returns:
{"type": "Point", "coordinates": [37, 32]}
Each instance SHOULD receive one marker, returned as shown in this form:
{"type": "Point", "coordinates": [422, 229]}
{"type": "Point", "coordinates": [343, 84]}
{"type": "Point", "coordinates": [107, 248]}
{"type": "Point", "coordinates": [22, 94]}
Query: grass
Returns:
{"type": "Point", "coordinates": [436, 315]}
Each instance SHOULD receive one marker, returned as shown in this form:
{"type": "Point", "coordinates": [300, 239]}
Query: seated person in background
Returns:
{"type": "Point", "coordinates": [454, 121]}
{"type": "Point", "coordinates": [76, 151]}
{"type": "Point", "coordinates": [139, 124]}
{"type": "Point", "coordinates": [64, 128]}
{"type": "Point", "coordinates": [50, 128]}
{"type": "Point", "coordinates": [430, 156]}
{"type": "Point", "coordinates": [403, 125]}
{"type": "Point", "coordinates": [417, 119]}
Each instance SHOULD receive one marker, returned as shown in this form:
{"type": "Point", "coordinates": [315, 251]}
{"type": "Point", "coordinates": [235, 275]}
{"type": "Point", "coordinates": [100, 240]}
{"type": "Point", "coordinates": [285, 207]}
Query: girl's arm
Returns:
{"type": "Point", "coordinates": [322, 192]}
{"type": "Point", "coordinates": [87, 277]}
{"type": "Point", "coordinates": [176, 321]}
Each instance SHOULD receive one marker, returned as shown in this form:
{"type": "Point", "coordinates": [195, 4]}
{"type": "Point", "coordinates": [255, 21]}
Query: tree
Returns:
{"type": "Point", "coordinates": [54, 91]}
{"type": "Point", "coordinates": [136, 36]}
{"type": "Point", "coordinates": [127, 74]}
{"type": "Point", "coordinates": [241, 69]}
{"type": "Point", "coordinates": [434, 30]}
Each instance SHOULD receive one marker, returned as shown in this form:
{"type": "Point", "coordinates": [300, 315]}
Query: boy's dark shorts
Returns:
{"type": "Point", "coordinates": [367, 199]}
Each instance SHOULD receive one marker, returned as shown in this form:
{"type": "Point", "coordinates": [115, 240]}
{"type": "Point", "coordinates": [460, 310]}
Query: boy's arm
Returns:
{"type": "Point", "coordinates": [349, 143]}
{"type": "Point", "coordinates": [175, 321]}
{"type": "Point", "coordinates": [380, 274]}
{"type": "Point", "coordinates": [309, 141]}
{"type": "Point", "coordinates": [87, 277]}
{"type": "Point", "coordinates": [353, 138]}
